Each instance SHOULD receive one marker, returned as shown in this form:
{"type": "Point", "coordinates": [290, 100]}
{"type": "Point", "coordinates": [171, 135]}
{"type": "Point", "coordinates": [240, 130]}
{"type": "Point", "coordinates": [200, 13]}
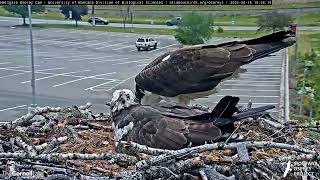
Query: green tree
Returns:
{"type": "Point", "coordinates": [273, 21]}
{"type": "Point", "coordinates": [194, 29]}
{"type": "Point", "coordinates": [77, 11]}
{"type": "Point", "coordinates": [22, 10]}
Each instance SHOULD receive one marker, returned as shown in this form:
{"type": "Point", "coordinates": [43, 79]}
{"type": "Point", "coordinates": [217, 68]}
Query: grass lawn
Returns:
{"type": "Point", "coordinates": [239, 34]}
{"type": "Point", "coordinates": [219, 20]}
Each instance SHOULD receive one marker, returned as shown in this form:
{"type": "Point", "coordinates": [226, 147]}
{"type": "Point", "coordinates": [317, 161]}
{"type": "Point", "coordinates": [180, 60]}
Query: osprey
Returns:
{"type": "Point", "coordinates": [195, 72]}
{"type": "Point", "coordinates": [171, 126]}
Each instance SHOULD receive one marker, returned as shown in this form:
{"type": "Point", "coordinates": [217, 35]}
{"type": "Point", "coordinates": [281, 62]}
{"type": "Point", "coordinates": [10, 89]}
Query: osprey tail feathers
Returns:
{"type": "Point", "coordinates": [253, 112]}
{"type": "Point", "coordinates": [243, 115]}
{"type": "Point", "coordinates": [226, 107]}
{"type": "Point", "coordinates": [266, 45]}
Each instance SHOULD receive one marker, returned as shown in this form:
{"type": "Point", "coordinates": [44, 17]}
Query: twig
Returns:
{"type": "Point", "coordinates": [58, 157]}
{"type": "Point", "coordinates": [26, 118]}
{"type": "Point", "coordinates": [138, 148]}
{"type": "Point", "coordinates": [86, 106]}
{"type": "Point", "coordinates": [54, 142]}
{"type": "Point", "coordinates": [73, 134]}
{"type": "Point", "coordinates": [99, 126]}
{"type": "Point", "coordinates": [27, 148]}
{"type": "Point", "coordinates": [169, 154]}
{"type": "Point", "coordinates": [203, 175]}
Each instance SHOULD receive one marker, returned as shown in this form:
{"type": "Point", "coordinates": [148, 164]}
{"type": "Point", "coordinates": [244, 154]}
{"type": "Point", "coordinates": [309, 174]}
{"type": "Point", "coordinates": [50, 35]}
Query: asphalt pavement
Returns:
{"type": "Point", "coordinates": [76, 66]}
{"type": "Point", "coordinates": [15, 21]}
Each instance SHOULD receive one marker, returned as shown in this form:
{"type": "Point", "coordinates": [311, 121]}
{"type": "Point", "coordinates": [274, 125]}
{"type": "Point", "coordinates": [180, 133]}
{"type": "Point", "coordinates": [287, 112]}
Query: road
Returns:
{"type": "Point", "coordinates": [16, 21]}
{"type": "Point", "coordinates": [75, 67]}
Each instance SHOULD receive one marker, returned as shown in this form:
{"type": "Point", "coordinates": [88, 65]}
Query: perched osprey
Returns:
{"type": "Point", "coordinates": [194, 72]}
{"type": "Point", "coordinates": [171, 126]}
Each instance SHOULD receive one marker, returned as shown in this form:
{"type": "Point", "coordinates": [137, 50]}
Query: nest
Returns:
{"type": "Point", "coordinates": [72, 143]}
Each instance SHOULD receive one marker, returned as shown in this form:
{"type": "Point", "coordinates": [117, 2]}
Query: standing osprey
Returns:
{"type": "Point", "coordinates": [171, 126]}
{"type": "Point", "coordinates": [194, 72]}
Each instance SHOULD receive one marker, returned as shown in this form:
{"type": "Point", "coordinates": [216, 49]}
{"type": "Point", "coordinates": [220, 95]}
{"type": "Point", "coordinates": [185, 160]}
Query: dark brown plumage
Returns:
{"type": "Point", "coordinates": [171, 126]}
{"type": "Point", "coordinates": [201, 68]}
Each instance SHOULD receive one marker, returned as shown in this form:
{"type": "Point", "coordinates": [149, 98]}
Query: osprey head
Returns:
{"type": "Point", "coordinates": [121, 99]}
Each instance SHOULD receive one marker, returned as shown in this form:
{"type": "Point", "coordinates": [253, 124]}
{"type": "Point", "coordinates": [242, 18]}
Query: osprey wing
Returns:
{"type": "Point", "coordinates": [201, 68]}
{"type": "Point", "coordinates": [191, 70]}
{"type": "Point", "coordinates": [172, 109]}
{"type": "Point", "coordinates": [155, 130]}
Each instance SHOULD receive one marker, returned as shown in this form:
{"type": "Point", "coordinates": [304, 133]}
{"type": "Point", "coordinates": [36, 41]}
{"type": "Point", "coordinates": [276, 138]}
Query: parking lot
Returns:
{"type": "Point", "coordinates": [75, 67]}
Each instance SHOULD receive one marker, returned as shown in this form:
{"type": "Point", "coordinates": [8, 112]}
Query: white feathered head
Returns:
{"type": "Point", "coordinates": [121, 99]}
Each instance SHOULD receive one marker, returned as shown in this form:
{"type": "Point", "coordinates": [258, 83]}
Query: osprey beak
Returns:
{"type": "Point", "coordinates": [108, 104]}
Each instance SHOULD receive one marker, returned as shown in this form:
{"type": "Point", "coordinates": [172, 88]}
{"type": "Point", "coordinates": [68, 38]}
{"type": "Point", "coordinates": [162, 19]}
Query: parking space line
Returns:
{"type": "Point", "coordinates": [122, 47]}
{"type": "Point", "coordinates": [11, 75]}
{"type": "Point", "coordinates": [14, 67]}
{"type": "Point", "coordinates": [55, 75]}
{"type": "Point", "coordinates": [260, 72]}
{"type": "Point", "coordinates": [258, 85]}
{"type": "Point", "coordinates": [253, 103]}
{"type": "Point", "coordinates": [259, 66]}
{"type": "Point", "coordinates": [59, 30]}
{"type": "Point", "coordinates": [142, 65]}
{"type": "Point", "coordinates": [88, 45]}
{"type": "Point", "coordinates": [241, 95]}
{"type": "Point", "coordinates": [6, 63]}
{"type": "Point", "coordinates": [110, 45]}
{"type": "Point", "coordinates": [11, 35]}
{"type": "Point", "coordinates": [75, 76]}
{"type": "Point", "coordinates": [92, 87]}
{"type": "Point", "coordinates": [84, 59]}
{"type": "Point", "coordinates": [88, 77]}
{"type": "Point", "coordinates": [163, 47]}
{"type": "Point", "coordinates": [250, 90]}
{"type": "Point", "coordinates": [66, 57]}
{"type": "Point", "coordinates": [109, 60]}
{"type": "Point", "coordinates": [259, 75]}
{"type": "Point", "coordinates": [121, 82]}
{"type": "Point", "coordinates": [6, 109]}
{"type": "Point", "coordinates": [59, 42]}
{"type": "Point", "coordinates": [83, 42]}
{"type": "Point", "coordinates": [241, 80]}
{"type": "Point", "coordinates": [25, 40]}
{"type": "Point", "coordinates": [50, 69]}
{"type": "Point", "coordinates": [129, 62]}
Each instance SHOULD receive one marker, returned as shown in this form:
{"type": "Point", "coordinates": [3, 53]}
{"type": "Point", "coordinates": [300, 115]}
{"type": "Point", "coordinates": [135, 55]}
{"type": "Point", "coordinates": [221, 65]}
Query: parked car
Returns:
{"type": "Point", "coordinates": [99, 20]}
{"type": "Point", "coordinates": [146, 43]}
{"type": "Point", "coordinates": [174, 21]}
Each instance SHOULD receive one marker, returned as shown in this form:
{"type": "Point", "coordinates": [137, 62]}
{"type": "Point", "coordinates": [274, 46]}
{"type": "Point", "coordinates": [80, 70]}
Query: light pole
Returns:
{"type": "Point", "coordinates": [33, 83]}
{"type": "Point", "coordinates": [93, 16]}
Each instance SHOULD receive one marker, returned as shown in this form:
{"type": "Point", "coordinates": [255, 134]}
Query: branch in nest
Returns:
{"type": "Point", "coordinates": [27, 148]}
{"type": "Point", "coordinates": [210, 173]}
{"type": "Point", "coordinates": [272, 123]}
{"type": "Point", "coordinates": [138, 148]}
{"type": "Point", "coordinates": [86, 106]}
{"type": "Point", "coordinates": [73, 134]}
{"type": "Point", "coordinates": [52, 144]}
{"type": "Point", "coordinates": [26, 118]}
{"type": "Point", "coordinates": [99, 126]}
{"type": "Point", "coordinates": [58, 157]}
{"type": "Point", "coordinates": [134, 148]}
{"type": "Point", "coordinates": [169, 154]}
{"type": "Point", "coordinates": [172, 169]}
